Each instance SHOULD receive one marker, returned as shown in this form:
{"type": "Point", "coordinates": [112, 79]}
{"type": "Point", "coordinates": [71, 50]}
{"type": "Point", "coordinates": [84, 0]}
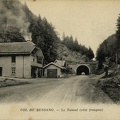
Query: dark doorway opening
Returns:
{"type": "Point", "coordinates": [0, 71]}
{"type": "Point", "coordinates": [82, 69]}
{"type": "Point", "coordinates": [36, 72]}
{"type": "Point", "coordinates": [33, 72]}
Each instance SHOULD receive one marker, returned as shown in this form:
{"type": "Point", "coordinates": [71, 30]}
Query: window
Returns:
{"type": "Point", "coordinates": [13, 59]}
{"type": "Point", "coordinates": [13, 70]}
{"type": "Point", "coordinates": [39, 60]}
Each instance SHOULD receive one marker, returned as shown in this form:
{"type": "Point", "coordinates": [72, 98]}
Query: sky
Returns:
{"type": "Point", "coordinates": [90, 21]}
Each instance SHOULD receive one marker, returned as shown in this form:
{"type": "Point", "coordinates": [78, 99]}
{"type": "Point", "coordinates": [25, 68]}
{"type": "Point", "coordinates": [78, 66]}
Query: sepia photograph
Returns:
{"type": "Point", "coordinates": [59, 60]}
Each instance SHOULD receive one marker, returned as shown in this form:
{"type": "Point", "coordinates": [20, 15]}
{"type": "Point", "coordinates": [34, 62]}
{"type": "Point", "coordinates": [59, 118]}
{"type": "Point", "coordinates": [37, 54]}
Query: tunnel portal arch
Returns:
{"type": "Point", "coordinates": [83, 69]}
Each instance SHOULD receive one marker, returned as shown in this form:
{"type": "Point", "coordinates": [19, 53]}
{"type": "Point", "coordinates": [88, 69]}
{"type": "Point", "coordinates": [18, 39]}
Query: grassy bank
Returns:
{"type": "Point", "coordinates": [111, 85]}
{"type": "Point", "coordinates": [6, 82]}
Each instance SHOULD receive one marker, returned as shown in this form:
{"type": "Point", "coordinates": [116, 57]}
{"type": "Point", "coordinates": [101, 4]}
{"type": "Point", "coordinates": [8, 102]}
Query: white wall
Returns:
{"type": "Point", "coordinates": [23, 66]}
{"type": "Point", "coordinates": [5, 63]}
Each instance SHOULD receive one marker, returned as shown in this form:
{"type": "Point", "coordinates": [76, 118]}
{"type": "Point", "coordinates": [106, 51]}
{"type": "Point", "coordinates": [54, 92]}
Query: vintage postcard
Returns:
{"type": "Point", "coordinates": [59, 60]}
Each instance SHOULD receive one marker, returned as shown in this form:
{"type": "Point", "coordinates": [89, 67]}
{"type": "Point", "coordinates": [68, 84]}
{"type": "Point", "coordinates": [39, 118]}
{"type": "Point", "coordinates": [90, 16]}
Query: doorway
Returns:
{"type": "Point", "coordinates": [0, 71]}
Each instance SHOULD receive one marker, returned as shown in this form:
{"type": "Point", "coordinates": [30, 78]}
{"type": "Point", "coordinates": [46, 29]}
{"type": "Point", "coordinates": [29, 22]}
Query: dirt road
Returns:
{"type": "Point", "coordinates": [73, 90]}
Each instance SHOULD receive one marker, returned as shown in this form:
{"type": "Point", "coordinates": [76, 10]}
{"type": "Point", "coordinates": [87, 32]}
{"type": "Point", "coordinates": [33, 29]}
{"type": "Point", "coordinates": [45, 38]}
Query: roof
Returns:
{"type": "Point", "coordinates": [39, 53]}
{"type": "Point", "coordinates": [60, 63]}
{"type": "Point", "coordinates": [16, 48]}
{"type": "Point", "coordinates": [52, 63]}
{"type": "Point", "coordinates": [36, 64]}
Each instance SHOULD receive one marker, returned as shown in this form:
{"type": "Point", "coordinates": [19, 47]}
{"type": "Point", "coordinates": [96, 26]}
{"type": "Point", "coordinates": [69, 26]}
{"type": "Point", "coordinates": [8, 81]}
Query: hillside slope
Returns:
{"type": "Point", "coordinates": [19, 24]}
{"type": "Point", "coordinates": [68, 55]}
{"type": "Point", "coordinates": [107, 48]}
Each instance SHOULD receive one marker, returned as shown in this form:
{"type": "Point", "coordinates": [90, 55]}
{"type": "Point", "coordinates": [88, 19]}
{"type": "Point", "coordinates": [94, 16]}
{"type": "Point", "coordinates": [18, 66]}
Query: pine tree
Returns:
{"type": "Point", "coordinates": [118, 33]}
{"type": "Point", "coordinates": [76, 45]}
{"type": "Point", "coordinates": [90, 53]}
{"type": "Point", "coordinates": [45, 37]}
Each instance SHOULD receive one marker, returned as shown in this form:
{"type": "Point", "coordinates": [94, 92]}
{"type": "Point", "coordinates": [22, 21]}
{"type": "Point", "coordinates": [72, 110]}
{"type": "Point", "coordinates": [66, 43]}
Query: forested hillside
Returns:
{"type": "Point", "coordinates": [75, 46]}
{"type": "Point", "coordinates": [108, 55]}
{"type": "Point", "coordinates": [110, 47]}
{"type": "Point", "coordinates": [18, 24]}
{"type": "Point", "coordinates": [69, 55]}
{"type": "Point", "coordinates": [107, 49]}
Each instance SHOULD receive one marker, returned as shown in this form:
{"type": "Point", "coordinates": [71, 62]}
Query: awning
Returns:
{"type": "Point", "coordinates": [36, 64]}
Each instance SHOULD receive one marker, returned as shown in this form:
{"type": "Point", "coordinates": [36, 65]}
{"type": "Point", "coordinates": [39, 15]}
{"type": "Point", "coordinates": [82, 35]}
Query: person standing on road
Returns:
{"type": "Point", "coordinates": [106, 70]}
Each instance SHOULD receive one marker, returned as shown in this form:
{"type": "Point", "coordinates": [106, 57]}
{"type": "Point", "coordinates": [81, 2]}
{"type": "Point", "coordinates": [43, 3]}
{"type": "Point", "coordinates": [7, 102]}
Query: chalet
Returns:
{"type": "Point", "coordinates": [55, 69]}
{"type": "Point", "coordinates": [20, 59]}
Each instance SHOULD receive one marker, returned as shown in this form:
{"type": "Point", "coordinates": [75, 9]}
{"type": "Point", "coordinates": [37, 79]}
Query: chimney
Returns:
{"type": "Point", "coordinates": [27, 37]}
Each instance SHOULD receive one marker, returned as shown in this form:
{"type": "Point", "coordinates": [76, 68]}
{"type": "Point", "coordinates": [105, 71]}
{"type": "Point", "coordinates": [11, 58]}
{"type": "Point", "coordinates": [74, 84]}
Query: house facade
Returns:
{"type": "Point", "coordinates": [20, 59]}
{"type": "Point", "coordinates": [55, 69]}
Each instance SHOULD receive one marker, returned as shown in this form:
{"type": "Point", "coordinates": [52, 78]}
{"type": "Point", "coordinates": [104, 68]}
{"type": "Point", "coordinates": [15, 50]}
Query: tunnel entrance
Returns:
{"type": "Point", "coordinates": [82, 69]}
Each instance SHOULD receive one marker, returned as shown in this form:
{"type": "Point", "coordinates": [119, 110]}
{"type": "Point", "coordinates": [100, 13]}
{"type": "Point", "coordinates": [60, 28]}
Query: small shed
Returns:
{"type": "Point", "coordinates": [52, 70]}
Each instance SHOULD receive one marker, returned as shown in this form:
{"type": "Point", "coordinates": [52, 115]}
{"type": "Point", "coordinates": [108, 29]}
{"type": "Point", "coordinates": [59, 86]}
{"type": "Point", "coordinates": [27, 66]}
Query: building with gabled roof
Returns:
{"type": "Point", "coordinates": [21, 59]}
{"type": "Point", "coordinates": [16, 47]}
{"type": "Point", "coordinates": [55, 69]}
{"type": "Point", "coordinates": [61, 63]}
